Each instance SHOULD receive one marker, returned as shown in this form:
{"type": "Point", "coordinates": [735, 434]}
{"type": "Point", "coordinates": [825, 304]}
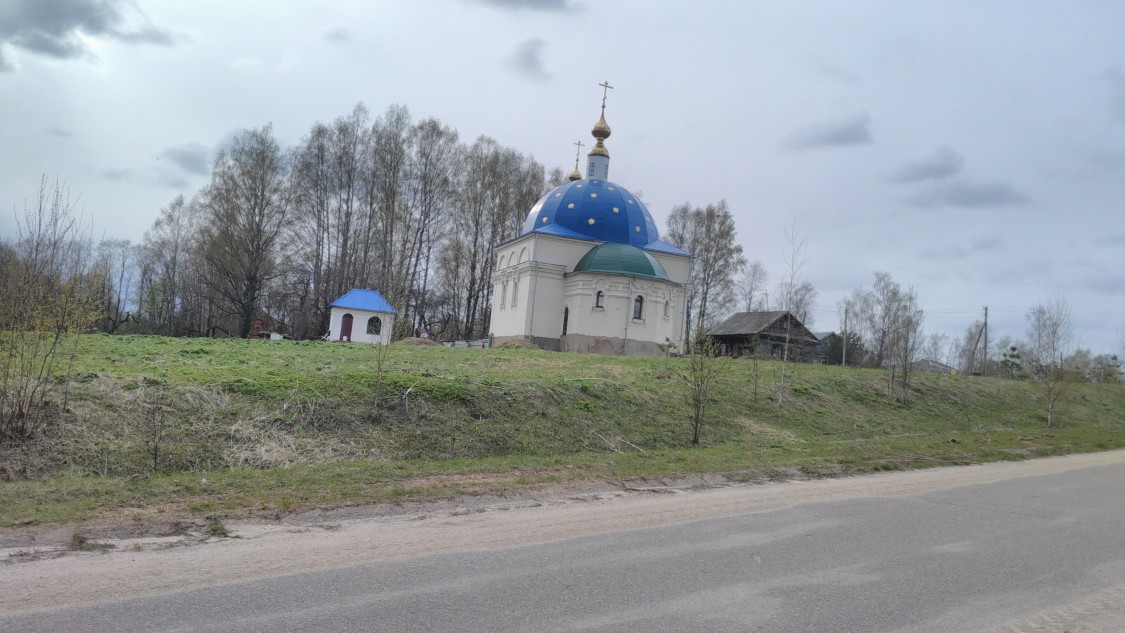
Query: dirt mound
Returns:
{"type": "Point", "coordinates": [415, 341]}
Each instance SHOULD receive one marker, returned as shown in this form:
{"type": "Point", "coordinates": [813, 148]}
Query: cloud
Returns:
{"type": "Point", "coordinates": [1115, 77]}
{"type": "Point", "coordinates": [528, 60]}
{"type": "Point", "coordinates": [983, 244]}
{"type": "Point", "coordinates": [1112, 240]}
{"type": "Point", "coordinates": [1105, 159]}
{"type": "Point", "coordinates": [191, 157]}
{"type": "Point", "coordinates": [969, 194]}
{"type": "Point", "coordinates": [6, 65]}
{"type": "Point", "coordinates": [56, 29]}
{"type": "Point", "coordinates": [1108, 282]}
{"type": "Point", "coordinates": [944, 163]}
{"type": "Point", "coordinates": [853, 130]}
{"type": "Point", "coordinates": [560, 6]}
{"type": "Point", "coordinates": [58, 131]}
{"type": "Point", "coordinates": [173, 181]}
{"type": "Point", "coordinates": [832, 72]}
{"type": "Point", "coordinates": [338, 35]}
{"type": "Point", "coordinates": [116, 174]}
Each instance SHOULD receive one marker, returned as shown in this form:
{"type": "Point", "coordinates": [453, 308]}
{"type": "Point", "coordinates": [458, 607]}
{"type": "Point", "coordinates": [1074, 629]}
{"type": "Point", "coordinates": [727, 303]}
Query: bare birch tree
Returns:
{"type": "Point", "coordinates": [796, 258]}
{"type": "Point", "coordinates": [248, 204]}
{"type": "Point", "coordinates": [1050, 327]}
{"type": "Point", "coordinates": [708, 233]}
{"type": "Point", "coordinates": [752, 286]}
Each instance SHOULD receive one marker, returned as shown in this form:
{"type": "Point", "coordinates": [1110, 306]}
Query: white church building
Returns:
{"type": "Point", "coordinates": [588, 272]}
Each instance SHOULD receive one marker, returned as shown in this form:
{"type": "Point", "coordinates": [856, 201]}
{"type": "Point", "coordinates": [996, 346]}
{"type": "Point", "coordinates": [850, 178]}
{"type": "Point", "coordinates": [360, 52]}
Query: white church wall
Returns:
{"type": "Point", "coordinates": [605, 330]}
{"type": "Point", "coordinates": [678, 267]}
{"type": "Point", "coordinates": [565, 252]}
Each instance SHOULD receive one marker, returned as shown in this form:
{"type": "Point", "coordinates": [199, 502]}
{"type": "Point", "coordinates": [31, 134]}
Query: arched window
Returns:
{"type": "Point", "coordinates": [566, 319]}
{"type": "Point", "coordinates": [599, 299]}
{"type": "Point", "coordinates": [515, 292]}
{"type": "Point", "coordinates": [374, 325]}
{"type": "Point", "coordinates": [667, 309]}
{"type": "Point", "coordinates": [503, 294]}
{"type": "Point", "coordinates": [638, 308]}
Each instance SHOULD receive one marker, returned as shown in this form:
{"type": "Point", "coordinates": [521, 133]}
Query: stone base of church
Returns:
{"type": "Point", "coordinates": [609, 346]}
{"type": "Point", "coordinates": [585, 344]}
{"type": "Point", "coordinates": [549, 344]}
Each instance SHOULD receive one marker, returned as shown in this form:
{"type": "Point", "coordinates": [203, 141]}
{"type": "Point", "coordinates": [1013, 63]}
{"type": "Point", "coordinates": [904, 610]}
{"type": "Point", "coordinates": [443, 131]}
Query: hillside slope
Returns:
{"type": "Point", "coordinates": [146, 415]}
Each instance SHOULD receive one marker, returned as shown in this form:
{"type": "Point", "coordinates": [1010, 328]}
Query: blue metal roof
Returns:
{"type": "Point", "coordinates": [596, 209]}
{"type": "Point", "coordinates": [661, 246]}
{"type": "Point", "coordinates": [369, 300]}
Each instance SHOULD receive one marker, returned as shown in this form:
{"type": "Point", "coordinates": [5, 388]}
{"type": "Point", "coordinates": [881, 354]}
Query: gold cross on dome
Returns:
{"type": "Point", "coordinates": [605, 90]}
{"type": "Point", "coordinates": [578, 152]}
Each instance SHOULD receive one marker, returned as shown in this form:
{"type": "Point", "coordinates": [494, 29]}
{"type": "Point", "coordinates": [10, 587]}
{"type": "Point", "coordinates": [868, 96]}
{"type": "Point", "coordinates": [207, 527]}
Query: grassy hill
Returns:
{"type": "Point", "coordinates": [282, 425]}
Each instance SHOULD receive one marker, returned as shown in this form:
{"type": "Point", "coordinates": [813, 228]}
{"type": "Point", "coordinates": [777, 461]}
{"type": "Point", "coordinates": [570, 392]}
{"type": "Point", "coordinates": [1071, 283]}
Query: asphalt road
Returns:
{"type": "Point", "coordinates": [1025, 553]}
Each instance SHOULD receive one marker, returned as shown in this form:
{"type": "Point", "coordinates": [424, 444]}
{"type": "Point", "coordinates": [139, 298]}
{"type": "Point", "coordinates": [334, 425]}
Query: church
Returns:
{"type": "Point", "coordinates": [588, 272]}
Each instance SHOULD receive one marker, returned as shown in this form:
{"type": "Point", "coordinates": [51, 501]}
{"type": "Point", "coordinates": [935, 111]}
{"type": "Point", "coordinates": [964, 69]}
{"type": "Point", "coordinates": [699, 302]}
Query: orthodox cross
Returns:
{"type": "Point", "coordinates": [605, 90]}
{"type": "Point", "coordinates": [577, 153]}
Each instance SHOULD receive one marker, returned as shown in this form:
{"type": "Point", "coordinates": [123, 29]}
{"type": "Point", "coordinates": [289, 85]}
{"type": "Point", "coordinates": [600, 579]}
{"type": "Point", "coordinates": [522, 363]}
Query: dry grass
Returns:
{"type": "Point", "coordinates": [415, 341]}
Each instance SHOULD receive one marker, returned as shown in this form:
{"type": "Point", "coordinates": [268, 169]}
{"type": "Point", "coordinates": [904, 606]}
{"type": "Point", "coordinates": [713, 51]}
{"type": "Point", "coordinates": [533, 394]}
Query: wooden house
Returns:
{"type": "Point", "coordinates": [765, 333]}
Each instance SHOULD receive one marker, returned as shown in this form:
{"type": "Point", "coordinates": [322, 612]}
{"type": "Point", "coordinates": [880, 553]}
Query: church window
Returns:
{"type": "Point", "coordinates": [566, 319]}
{"type": "Point", "coordinates": [503, 294]}
{"type": "Point", "coordinates": [374, 325]}
{"type": "Point", "coordinates": [599, 299]}
{"type": "Point", "coordinates": [515, 292]}
{"type": "Point", "coordinates": [638, 308]}
{"type": "Point", "coordinates": [667, 309]}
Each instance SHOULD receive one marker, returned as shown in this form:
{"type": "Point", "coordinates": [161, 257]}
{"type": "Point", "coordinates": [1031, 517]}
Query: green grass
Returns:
{"type": "Point", "coordinates": [280, 426]}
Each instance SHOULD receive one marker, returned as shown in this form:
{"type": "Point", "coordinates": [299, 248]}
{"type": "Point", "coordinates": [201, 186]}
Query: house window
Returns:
{"type": "Point", "coordinates": [566, 319]}
{"type": "Point", "coordinates": [599, 299]}
{"type": "Point", "coordinates": [374, 325]}
{"type": "Point", "coordinates": [515, 292]}
{"type": "Point", "coordinates": [638, 308]}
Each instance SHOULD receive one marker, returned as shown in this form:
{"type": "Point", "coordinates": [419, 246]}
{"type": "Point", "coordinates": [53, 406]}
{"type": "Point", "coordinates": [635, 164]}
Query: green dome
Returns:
{"type": "Point", "coordinates": [620, 259]}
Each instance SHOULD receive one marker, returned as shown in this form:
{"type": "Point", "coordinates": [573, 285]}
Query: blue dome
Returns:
{"type": "Point", "coordinates": [594, 209]}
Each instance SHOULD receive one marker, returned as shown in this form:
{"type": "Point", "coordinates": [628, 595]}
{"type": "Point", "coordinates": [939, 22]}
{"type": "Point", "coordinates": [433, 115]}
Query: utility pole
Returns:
{"type": "Point", "coordinates": [844, 361]}
{"type": "Point", "coordinates": [984, 366]}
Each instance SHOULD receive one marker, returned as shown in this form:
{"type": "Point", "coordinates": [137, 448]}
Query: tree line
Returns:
{"type": "Point", "coordinates": [391, 204]}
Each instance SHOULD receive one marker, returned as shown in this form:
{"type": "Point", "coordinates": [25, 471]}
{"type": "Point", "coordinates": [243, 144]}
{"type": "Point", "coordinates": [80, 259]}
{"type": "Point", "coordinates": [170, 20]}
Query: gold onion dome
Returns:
{"type": "Point", "coordinates": [601, 129]}
{"type": "Point", "coordinates": [575, 175]}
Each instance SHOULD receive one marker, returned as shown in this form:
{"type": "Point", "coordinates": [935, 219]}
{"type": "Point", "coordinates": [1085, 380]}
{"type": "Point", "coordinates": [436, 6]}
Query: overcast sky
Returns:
{"type": "Point", "coordinates": [974, 150]}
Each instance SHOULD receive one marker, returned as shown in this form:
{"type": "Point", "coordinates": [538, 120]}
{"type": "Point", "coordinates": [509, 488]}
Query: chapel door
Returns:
{"type": "Point", "coordinates": [346, 328]}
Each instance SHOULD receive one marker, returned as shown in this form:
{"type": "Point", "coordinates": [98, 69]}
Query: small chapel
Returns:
{"type": "Point", "coordinates": [588, 272]}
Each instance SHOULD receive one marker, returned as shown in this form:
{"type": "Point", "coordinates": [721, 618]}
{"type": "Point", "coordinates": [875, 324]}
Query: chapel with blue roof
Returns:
{"type": "Point", "coordinates": [588, 272]}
